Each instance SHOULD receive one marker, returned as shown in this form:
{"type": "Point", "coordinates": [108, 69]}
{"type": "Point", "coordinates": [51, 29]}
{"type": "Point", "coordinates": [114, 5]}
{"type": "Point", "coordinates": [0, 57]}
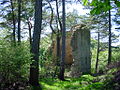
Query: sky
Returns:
{"type": "Point", "coordinates": [78, 7]}
{"type": "Point", "coordinates": [81, 11]}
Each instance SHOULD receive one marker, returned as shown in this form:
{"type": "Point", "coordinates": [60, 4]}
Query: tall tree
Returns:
{"type": "Point", "coordinates": [19, 20]}
{"type": "Point", "coordinates": [109, 48]}
{"type": "Point", "coordinates": [58, 31]}
{"type": "Point", "coordinates": [62, 65]}
{"type": "Point", "coordinates": [117, 20]}
{"type": "Point", "coordinates": [13, 19]}
{"type": "Point", "coordinates": [30, 31]}
{"type": "Point", "coordinates": [34, 67]}
{"type": "Point", "coordinates": [98, 50]}
{"type": "Point", "coordinates": [99, 8]}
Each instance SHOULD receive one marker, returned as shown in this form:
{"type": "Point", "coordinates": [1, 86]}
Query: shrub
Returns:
{"type": "Point", "coordinates": [14, 61]}
{"type": "Point", "coordinates": [116, 55]}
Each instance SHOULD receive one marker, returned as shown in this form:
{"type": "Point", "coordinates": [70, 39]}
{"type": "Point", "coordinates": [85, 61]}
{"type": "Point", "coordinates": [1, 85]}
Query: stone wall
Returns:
{"type": "Point", "coordinates": [77, 50]}
{"type": "Point", "coordinates": [68, 57]}
{"type": "Point", "coordinates": [80, 43]}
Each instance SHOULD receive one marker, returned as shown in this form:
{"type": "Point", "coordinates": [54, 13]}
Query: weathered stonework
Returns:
{"type": "Point", "coordinates": [80, 43]}
{"type": "Point", "coordinates": [77, 50]}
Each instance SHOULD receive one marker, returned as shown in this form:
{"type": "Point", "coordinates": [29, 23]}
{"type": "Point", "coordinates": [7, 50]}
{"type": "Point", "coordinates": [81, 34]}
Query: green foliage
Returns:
{"type": "Point", "coordinates": [117, 3]}
{"type": "Point", "coordinates": [93, 44]}
{"type": "Point", "coordinates": [94, 86]}
{"type": "Point", "coordinates": [116, 54]}
{"type": "Point", "coordinates": [100, 6]}
{"type": "Point", "coordinates": [85, 2]}
{"type": "Point", "coordinates": [102, 59]}
{"type": "Point", "coordinates": [72, 18]}
{"type": "Point", "coordinates": [103, 55]}
{"type": "Point", "coordinates": [47, 67]}
{"type": "Point", "coordinates": [82, 83]}
{"type": "Point", "coordinates": [14, 61]}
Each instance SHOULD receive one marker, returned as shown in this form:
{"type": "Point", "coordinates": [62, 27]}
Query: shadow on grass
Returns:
{"type": "Point", "coordinates": [37, 87]}
{"type": "Point", "coordinates": [85, 82]}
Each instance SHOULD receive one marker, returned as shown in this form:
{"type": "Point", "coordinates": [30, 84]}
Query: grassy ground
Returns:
{"type": "Point", "coordinates": [85, 82]}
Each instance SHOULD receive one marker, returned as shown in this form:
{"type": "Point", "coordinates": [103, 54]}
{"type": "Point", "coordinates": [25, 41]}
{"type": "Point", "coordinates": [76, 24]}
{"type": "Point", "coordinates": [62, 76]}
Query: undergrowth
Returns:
{"type": "Point", "coordinates": [85, 82]}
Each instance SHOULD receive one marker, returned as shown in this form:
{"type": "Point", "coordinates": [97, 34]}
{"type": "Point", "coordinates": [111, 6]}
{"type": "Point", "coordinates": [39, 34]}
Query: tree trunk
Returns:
{"type": "Point", "coordinates": [58, 17]}
{"type": "Point", "coordinates": [13, 20]}
{"type": "Point", "coordinates": [19, 21]}
{"type": "Point", "coordinates": [58, 22]}
{"type": "Point", "coordinates": [58, 32]}
{"type": "Point", "coordinates": [62, 63]}
{"type": "Point", "coordinates": [109, 48]}
{"type": "Point", "coordinates": [30, 36]}
{"type": "Point", "coordinates": [58, 50]}
{"type": "Point", "coordinates": [97, 59]}
{"type": "Point", "coordinates": [34, 67]}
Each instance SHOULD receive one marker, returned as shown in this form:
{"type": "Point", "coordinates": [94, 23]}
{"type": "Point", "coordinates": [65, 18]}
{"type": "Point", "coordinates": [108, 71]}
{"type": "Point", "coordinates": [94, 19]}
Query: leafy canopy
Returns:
{"type": "Point", "coordinates": [100, 5]}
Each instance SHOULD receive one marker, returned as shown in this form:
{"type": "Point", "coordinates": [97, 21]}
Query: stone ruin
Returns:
{"type": "Point", "coordinates": [77, 50]}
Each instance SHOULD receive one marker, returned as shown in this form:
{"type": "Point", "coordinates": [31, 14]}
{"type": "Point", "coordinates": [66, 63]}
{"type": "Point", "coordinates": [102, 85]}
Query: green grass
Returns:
{"type": "Point", "coordinates": [82, 83]}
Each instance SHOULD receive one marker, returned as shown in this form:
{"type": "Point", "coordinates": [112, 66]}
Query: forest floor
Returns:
{"type": "Point", "coordinates": [109, 80]}
{"type": "Point", "coordinates": [85, 82]}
